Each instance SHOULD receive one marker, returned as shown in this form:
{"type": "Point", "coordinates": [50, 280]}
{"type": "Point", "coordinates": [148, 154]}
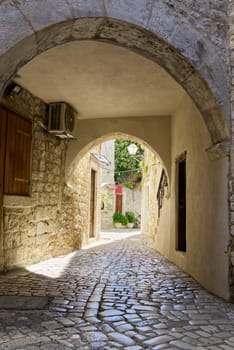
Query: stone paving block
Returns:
{"type": "Point", "coordinates": [114, 345]}
{"type": "Point", "coordinates": [122, 339]}
{"type": "Point", "coordinates": [162, 346]}
{"type": "Point", "coordinates": [65, 321]}
{"type": "Point", "coordinates": [191, 341]}
{"type": "Point", "coordinates": [65, 343]}
{"type": "Point", "coordinates": [92, 305]}
{"type": "Point", "coordinates": [111, 312]}
{"type": "Point", "coordinates": [90, 313]}
{"type": "Point", "coordinates": [158, 340]}
{"type": "Point", "coordinates": [94, 336]}
{"type": "Point", "coordinates": [182, 345]}
{"type": "Point", "coordinates": [124, 327]}
{"type": "Point", "coordinates": [50, 325]}
{"type": "Point", "coordinates": [112, 318]}
{"type": "Point", "coordinates": [226, 347]}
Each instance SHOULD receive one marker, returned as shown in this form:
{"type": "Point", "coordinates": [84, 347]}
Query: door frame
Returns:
{"type": "Point", "coordinates": [181, 203]}
{"type": "Point", "coordinates": [92, 207]}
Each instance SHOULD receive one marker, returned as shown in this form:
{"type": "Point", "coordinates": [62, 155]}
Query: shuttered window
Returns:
{"type": "Point", "coordinates": [18, 155]}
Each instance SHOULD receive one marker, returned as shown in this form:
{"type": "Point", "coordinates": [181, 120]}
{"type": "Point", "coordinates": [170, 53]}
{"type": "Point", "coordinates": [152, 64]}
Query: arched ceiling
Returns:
{"type": "Point", "coordinates": [101, 80]}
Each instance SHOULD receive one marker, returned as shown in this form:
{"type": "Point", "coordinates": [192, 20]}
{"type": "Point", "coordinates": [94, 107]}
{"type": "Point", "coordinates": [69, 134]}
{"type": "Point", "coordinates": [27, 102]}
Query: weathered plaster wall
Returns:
{"type": "Point", "coordinates": [148, 203]}
{"type": "Point", "coordinates": [162, 228]}
{"type": "Point", "coordinates": [132, 200]}
{"type": "Point", "coordinates": [109, 208]}
{"type": "Point", "coordinates": [207, 206]}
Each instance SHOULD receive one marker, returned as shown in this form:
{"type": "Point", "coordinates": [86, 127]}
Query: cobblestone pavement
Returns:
{"type": "Point", "coordinates": [121, 295]}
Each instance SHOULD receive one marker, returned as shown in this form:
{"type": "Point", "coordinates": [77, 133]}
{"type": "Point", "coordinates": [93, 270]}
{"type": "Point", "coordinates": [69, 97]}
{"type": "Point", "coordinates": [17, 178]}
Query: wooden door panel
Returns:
{"type": "Point", "coordinates": [92, 204]}
{"type": "Point", "coordinates": [18, 155]}
{"type": "Point", "coordinates": [118, 203]}
{"type": "Point", "coordinates": [182, 206]}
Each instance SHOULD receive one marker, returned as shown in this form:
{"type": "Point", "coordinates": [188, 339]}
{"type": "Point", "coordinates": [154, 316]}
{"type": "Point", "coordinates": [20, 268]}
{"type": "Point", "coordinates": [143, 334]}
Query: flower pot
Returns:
{"type": "Point", "coordinates": [118, 225]}
{"type": "Point", "coordinates": [130, 224]}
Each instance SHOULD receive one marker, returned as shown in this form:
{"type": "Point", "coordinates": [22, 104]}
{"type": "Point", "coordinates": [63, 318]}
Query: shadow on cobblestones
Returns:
{"type": "Point", "coordinates": [120, 294]}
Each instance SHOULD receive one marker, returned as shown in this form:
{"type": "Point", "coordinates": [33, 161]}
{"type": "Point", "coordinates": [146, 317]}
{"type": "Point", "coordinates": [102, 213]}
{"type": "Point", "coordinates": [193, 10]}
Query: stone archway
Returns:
{"type": "Point", "coordinates": [197, 61]}
{"type": "Point", "coordinates": [155, 133]}
{"type": "Point", "coordinates": [140, 198]}
{"type": "Point", "coordinates": [179, 49]}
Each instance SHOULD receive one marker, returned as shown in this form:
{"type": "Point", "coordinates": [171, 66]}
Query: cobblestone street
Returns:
{"type": "Point", "coordinates": [120, 295]}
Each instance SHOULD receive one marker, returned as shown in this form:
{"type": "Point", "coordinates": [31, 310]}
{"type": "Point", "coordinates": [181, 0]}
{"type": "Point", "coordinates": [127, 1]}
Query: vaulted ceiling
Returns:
{"type": "Point", "coordinates": [101, 80]}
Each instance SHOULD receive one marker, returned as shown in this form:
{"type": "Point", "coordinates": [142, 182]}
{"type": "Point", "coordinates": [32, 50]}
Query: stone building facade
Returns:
{"type": "Point", "coordinates": [54, 219]}
{"type": "Point", "coordinates": [189, 41]}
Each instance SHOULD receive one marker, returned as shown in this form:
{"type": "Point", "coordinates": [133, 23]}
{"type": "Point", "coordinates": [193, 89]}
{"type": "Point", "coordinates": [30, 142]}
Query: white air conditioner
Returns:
{"type": "Point", "coordinates": [61, 120]}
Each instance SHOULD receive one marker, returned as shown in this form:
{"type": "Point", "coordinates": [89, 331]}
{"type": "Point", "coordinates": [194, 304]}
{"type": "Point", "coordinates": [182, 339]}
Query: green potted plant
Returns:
{"type": "Point", "coordinates": [131, 219]}
{"type": "Point", "coordinates": [118, 219]}
{"type": "Point", "coordinates": [124, 220]}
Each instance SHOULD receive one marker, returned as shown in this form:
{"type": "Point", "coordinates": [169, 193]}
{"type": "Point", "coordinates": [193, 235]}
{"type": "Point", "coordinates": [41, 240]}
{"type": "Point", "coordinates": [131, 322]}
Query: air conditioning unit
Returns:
{"type": "Point", "coordinates": [61, 120]}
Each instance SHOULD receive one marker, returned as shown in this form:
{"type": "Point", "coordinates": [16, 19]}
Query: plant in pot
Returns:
{"type": "Point", "coordinates": [131, 219]}
{"type": "Point", "coordinates": [125, 220]}
{"type": "Point", "coordinates": [118, 219]}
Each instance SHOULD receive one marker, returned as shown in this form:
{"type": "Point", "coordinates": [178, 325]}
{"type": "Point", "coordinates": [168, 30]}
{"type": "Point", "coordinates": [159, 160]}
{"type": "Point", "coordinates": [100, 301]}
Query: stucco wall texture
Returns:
{"type": "Point", "coordinates": [207, 256]}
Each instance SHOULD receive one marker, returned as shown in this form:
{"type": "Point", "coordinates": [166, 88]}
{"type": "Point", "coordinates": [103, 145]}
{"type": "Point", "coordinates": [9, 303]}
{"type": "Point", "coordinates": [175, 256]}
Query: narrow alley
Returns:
{"type": "Point", "coordinates": [117, 295]}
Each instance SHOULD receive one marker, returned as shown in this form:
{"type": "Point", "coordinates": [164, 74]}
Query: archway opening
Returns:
{"type": "Point", "coordinates": [116, 90]}
{"type": "Point", "coordinates": [119, 189]}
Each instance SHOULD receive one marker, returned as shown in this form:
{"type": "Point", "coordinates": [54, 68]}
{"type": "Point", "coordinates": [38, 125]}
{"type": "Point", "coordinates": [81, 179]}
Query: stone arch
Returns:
{"type": "Point", "coordinates": [192, 51]}
{"type": "Point", "coordinates": [111, 136]}
{"type": "Point", "coordinates": [162, 32]}
{"type": "Point", "coordinates": [153, 132]}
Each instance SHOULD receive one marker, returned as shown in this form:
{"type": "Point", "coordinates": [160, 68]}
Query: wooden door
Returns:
{"type": "Point", "coordinates": [92, 204]}
{"type": "Point", "coordinates": [18, 155]}
{"type": "Point", "coordinates": [118, 203]}
{"type": "Point", "coordinates": [3, 122]}
{"type": "Point", "coordinates": [181, 229]}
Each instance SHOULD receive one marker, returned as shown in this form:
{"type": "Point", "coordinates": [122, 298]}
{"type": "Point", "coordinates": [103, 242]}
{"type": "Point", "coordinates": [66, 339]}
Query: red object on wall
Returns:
{"type": "Point", "coordinates": [119, 190]}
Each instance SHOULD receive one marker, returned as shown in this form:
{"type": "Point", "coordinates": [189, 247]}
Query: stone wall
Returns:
{"type": "Point", "coordinates": [77, 199]}
{"type": "Point", "coordinates": [231, 182]}
{"type": "Point", "coordinates": [31, 223]}
{"type": "Point", "coordinates": [188, 39]}
{"type": "Point", "coordinates": [53, 219]}
{"type": "Point", "coordinates": [132, 200]}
